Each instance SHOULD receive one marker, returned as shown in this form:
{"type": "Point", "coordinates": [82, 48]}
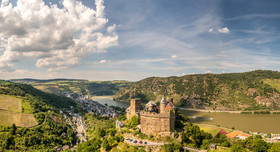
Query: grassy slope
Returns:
{"type": "Point", "coordinates": [232, 91]}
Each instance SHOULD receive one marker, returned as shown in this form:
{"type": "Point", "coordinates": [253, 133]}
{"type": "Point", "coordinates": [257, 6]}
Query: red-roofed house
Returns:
{"type": "Point", "coordinates": [243, 136]}
{"type": "Point", "coordinates": [222, 132]}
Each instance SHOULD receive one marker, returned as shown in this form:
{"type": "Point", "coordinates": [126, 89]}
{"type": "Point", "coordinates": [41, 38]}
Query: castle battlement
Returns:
{"type": "Point", "coordinates": [153, 114]}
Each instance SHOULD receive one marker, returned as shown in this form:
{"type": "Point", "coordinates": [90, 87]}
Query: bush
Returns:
{"type": "Point", "coordinates": [134, 121]}
{"type": "Point", "coordinates": [171, 147]}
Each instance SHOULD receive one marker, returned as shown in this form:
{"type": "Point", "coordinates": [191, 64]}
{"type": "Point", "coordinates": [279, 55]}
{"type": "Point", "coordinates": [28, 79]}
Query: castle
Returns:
{"type": "Point", "coordinates": [153, 119]}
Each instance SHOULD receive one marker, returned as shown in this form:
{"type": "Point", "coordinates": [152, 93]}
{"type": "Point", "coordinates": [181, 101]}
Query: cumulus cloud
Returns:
{"type": "Point", "coordinates": [57, 37]}
{"type": "Point", "coordinates": [224, 30]}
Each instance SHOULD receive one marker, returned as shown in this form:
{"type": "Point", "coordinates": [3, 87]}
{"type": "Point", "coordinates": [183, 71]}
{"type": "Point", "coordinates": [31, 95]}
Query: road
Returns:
{"type": "Point", "coordinates": [193, 149]}
{"type": "Point", "coordinates": [138, 144]}
{"type": "Point", "coordinates": [156, 144]}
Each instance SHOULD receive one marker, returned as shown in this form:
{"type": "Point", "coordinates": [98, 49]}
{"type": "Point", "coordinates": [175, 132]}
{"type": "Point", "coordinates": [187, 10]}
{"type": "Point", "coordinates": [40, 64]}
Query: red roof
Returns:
{"type": "Point", "coordinates": [244, 135]}
{"type": "Point", "coordinates": [232, 134]}
{"type": "Point", "coordinates": [168, 107]}
{"type": "Point", "coordinates": [222, 131]}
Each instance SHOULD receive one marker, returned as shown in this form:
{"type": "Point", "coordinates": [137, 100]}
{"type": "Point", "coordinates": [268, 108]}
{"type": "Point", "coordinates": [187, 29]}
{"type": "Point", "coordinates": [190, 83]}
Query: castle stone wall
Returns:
{"type": "Point", "coordinates": [157, 123]}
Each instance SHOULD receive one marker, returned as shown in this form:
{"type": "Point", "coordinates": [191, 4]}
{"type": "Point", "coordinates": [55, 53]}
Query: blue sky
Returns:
{"type": "Point", "coordinates": [136, 39]}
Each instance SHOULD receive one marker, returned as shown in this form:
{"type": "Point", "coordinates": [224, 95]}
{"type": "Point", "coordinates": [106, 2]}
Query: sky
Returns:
{"type": "Point", "coordinates": [135, 39]}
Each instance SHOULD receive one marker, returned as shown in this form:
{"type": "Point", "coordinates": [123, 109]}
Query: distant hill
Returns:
{"type": "Point", "coordinates": [256, 90]}
{"type": "Point", "coordinates": [92, 88]}
{"type": "Point", "coordinates": [28, 80]}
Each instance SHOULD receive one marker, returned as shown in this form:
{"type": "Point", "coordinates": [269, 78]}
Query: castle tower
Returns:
{"type": "Point", "coordinates": [162, 105]}
{"type": "Point", "coordinates": [135, 106]}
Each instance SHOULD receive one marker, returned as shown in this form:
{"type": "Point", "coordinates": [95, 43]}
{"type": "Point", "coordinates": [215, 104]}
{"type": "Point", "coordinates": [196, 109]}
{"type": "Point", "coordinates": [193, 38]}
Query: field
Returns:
{"type": "Point", "coordinates": [211, 129]}
{"type": "Point", "coordinates": [10, 112]}
{"type": "Point", "coordinates": [10, 103]}
{"type": "Point", "coordinates": [48, 88]}
{"type": "Point", "coordinates": [19, 119]}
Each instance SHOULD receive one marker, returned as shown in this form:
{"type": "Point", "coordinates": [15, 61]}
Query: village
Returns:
{"type": "Point", "coordinates": [92, 106]}
{"type": "Point", "coordinates": [76, 120]}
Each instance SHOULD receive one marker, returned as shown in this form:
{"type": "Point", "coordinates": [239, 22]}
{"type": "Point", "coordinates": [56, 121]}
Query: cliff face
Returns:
{"type": "Point", "coordinates": [256, 90]}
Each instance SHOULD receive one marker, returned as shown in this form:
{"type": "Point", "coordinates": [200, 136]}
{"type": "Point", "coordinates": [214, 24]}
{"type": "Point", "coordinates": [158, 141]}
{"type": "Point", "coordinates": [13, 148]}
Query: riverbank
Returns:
{"type": "Point", "coordinates": [225, 111]}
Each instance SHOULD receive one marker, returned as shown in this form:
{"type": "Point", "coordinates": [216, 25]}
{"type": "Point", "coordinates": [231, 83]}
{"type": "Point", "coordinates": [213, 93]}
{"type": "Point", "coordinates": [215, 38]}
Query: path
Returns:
{"type": "Point", "coordinates": [193, 149]}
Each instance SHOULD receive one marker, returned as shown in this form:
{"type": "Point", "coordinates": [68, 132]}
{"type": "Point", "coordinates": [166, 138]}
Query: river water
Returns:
{"type": "Point", "coordinates": [109, 101]}
{"type": "Point", "coordinates": [265, 123]}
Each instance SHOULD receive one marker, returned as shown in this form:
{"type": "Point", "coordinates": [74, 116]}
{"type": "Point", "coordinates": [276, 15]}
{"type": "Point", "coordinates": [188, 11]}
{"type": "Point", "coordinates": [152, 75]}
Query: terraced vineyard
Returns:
{"type": "Point", "coordinates": [10, 112]}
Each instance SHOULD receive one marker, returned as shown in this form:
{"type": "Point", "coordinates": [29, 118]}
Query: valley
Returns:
{"type": "Point", "coordinates": [90, 113]}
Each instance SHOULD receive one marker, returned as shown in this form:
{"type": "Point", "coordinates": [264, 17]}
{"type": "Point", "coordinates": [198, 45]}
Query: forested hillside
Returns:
{"type": "Point", "coordinates": [230, 91]}
{"type": "Point", "coordinates": [51, 129]}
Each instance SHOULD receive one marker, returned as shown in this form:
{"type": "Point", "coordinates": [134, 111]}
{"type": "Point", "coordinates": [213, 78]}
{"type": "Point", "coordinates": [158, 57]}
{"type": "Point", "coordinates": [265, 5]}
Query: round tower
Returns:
{"type": "Point", "coordinates": [162, 105]}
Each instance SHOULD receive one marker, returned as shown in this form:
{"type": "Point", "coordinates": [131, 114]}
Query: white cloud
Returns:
{"type": "Point", "coordinates": [56, 37]}
{"type": "Point", "coordinates": [183, 74]}
{"type": "Point", "coordinates": [111, 29]}
{"type": "Point", "coordinates": [174, 56]}
{"type": "Point", "coordinates": [104, 61]}
{"type": "Point", "coordinates": [208, 71]}
{"type": "Point", "coordinates": [223, 30]}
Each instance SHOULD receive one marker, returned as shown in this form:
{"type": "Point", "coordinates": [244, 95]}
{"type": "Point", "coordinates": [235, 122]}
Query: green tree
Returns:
{"type": "Point", "coordinates": [194, 136]}
{"type": "Point", "coordinates": [237, 148]}
{"type": "Point", "coordinates": [134, 121]}
{"type": "Point", "coordinates": [180, 120]}
{"type": "Point", "coordinates": [171, 147]}
{"type": "Point", "coordinates": [100, 132]}
{"type": "Point", "coordinates": [259, 145]}
{"type": "Point", "coordinates": [275, 148]}
{"type": "Point", "coordinates": [205, 144]}
{"type": "Point", "coordinates": [14, 129]}
{"type": "Point", "coordinates": [105, 144]}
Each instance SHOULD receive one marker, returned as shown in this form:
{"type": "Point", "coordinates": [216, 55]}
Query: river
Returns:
{"type": "Point", "coordinates": [265, 123]}
{"type": "Point", "coordinates": [109, 101]}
